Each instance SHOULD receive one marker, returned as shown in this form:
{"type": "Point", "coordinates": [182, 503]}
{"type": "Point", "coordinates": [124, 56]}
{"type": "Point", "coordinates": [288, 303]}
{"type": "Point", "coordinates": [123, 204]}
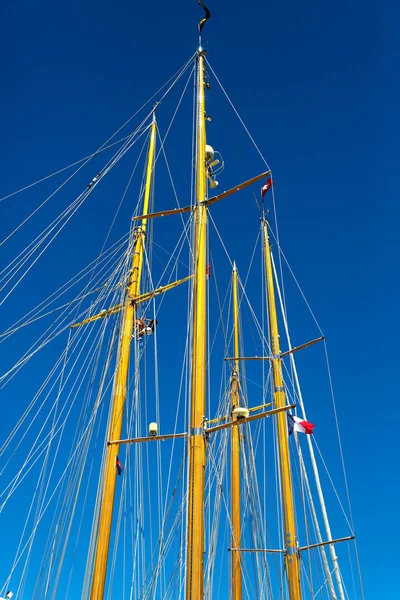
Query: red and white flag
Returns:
{"type": "Point", "coordinates": [266, 187]}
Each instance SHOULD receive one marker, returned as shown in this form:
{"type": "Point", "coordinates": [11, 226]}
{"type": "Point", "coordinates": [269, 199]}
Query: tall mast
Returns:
{"type": "Point", "coordinates": [119, 391]}
{"type": "Point", "coordinates": [292, 557]}
{"type": "Point", "coordinates": [235, 451]}
{"type": "Point", "coordinates": [197, 450]}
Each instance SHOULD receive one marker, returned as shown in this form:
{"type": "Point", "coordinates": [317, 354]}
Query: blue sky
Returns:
{"type": "Point", "coordinates": [317, 86]}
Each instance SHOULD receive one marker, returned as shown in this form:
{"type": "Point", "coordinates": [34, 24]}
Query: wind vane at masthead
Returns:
{"type": "Point", "coordinates": [208, 15]}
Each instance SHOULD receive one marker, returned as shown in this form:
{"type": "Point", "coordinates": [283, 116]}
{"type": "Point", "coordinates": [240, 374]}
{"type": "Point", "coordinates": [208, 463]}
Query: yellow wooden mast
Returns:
{"type": "Point", "coordinates": [119, 391]}
{"type": "Point", "coordinates": [235, 452]}
{"type": "Point", "coordinates": [197, 450]}
{"type": "Point", "coordinates": [292, 555]}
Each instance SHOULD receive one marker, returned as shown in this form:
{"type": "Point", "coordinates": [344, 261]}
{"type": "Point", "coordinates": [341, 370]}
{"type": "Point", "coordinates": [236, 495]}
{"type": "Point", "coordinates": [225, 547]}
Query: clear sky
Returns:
{"type": "Point", "coordinates": [317, 85]}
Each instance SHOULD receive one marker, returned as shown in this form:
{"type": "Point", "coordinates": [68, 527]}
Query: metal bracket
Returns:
{"type": "Point", "coordinates": [197, 431]}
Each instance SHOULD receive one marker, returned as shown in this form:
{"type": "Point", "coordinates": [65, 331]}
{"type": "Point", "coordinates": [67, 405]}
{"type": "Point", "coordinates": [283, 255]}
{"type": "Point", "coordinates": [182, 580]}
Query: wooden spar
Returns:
{"type": "Point", "coordinates": [237, 188]}
{"type": "Point", "coordinates": [197, 449]}
{"type": "Point", "coordinates": [337, 541]}
{"type": "Point", "coordinates": [226, 417]}
{"type": "Point", "coordinates": [292, 558]}
{"type": "Point", "coordinates": [282, 354]}
{"type": "Point", "coordinates": [235, 452]}
{"type": "Point", "coordinates": [137, 300]}
{"type": "Point", "coordinates": [249, 419]}
{"type": "Point", "coordinates": [149, 438]}
{"type": "Point", "coordinates": [104, 313]}
{"type": "Point", "coordinates": [165, 213]}
{"type": "Point", "coordinates": [302, 549]}
{"type": "Point", "coordinates": [260, 406]}
{"type": "Point", "coordinates": [213, 200]}
{"type": "Point", "coordinates": [160, 290]}
{"type": "Point", "coordinates": [119, 392]}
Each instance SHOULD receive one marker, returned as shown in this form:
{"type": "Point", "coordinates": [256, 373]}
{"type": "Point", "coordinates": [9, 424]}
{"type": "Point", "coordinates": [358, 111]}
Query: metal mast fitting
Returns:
{"type": "Point", "coordinates": [292, 556]}
{"type": "Point", "coordinates": [99, 572]}
{"type": "Point", "coordinates": [197, 449]}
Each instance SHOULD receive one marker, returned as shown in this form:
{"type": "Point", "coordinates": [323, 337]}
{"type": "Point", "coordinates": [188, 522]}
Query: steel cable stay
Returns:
{"type": "Point", "coordinates": [253, 143]}
{"type": "Point", "coordinates": [157, 509]}
{"type": "Point", "coordinates": [36, 316]}
{"type": "Point", "coordinates": [106, 255]}
{"type": "Point", "coordinates": [26, 255]}
{"type": "Point", "coordinates": [28, 252]}
{"type": "Point", "coordinates": [308, 305]}
{"type": "Point", "coordinates": [73, 495]}
{"type": "Point", "coordinates": [130, 142]}
{"type": "Point", "coordinates": [72, 456]}
{"type": "Point", "coordinates": [45, 472]}
{"type": "Point", "coordinates": [174, 78]}
{"type": "Point", "coordinates": [150, 286]}
{"type": "Point", "coordinates": [297, 384]}
{"type": "Point", "coordinates": [53, 332]}
{"type": "Point", "coordinates": [36, 397]}
{"type": "Point", "coordinates": [37, 450]}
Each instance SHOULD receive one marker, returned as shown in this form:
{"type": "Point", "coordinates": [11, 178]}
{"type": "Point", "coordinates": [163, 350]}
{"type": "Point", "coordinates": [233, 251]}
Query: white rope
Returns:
{"type": "Point", "coordinates": [119, 154]}
{"type": "Point", "coordinates": [7, 442]}
{"type": "Point", "coordinates": [60, 480]}
{"type": "Point", "coordinates": [131, 140]}
{"type": "Point", "coordinates": [77, 162]}
{"type": "Point", "coordinates": [343, 466]}
{"type": "Point", "coordinates": [53, 332]}
{"type": "Point", "coordinates": [107, 255]}
{"type": "Point", "coordinates": [104, 146]}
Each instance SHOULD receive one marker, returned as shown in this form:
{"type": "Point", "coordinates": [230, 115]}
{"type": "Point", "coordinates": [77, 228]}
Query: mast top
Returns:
{"type": "Point", "coordinates": [154, 111]}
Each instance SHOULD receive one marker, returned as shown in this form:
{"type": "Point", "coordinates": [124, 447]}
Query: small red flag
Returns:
{"type": "Point", "coordinates": [118, 465]}
{"type": "Point", "coordinates": [208, 271]}
{"type": "Point", "coordinates": [266, 187]}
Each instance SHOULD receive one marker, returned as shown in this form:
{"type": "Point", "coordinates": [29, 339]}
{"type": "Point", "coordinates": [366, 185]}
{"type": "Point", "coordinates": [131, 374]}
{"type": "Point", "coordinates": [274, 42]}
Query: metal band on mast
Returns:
{"type": "Point", "coordinates": [292, 555]}
{"type": "Point", "coordinates": [99, 573]}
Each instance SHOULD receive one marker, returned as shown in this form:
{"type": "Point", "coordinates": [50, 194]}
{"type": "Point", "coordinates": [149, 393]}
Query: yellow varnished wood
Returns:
{"type": "Point", "coordinates": [292, 557]}
{"type": "Point", "coordinates": [99, 573]}
{"type": "Point", "coordinates": [160, 290]}
{"type": "Point", "coordinates": [197, 451]}
{"type": "Point", "coordinates": [213, 200]}
{"type": "Point", "coordinates": [235, 453]}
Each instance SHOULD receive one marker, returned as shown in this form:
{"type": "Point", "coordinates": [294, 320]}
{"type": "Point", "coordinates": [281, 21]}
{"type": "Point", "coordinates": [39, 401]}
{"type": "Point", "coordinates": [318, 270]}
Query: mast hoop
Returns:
{"type": "Point", "coordinates": [197, 431]}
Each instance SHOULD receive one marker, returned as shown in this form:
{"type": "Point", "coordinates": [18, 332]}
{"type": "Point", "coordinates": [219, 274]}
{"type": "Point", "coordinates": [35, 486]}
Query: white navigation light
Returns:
{"type": "Point", "coordinates": [153, 429]}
